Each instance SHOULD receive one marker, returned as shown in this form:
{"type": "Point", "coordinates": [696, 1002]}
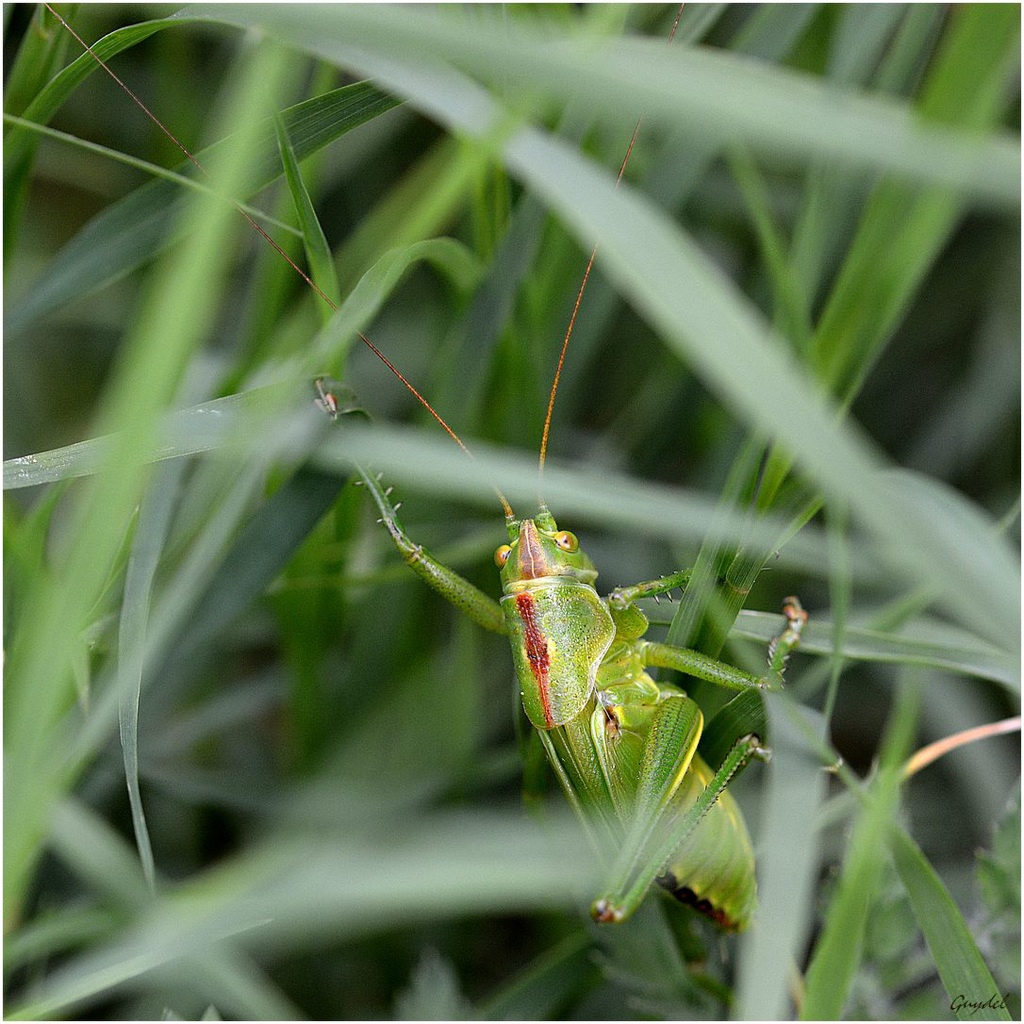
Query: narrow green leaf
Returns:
{"type": "Point", "coordinates": [771, 108]}
{"type": "Point", "coordinates": [318, 252]}
{"type": "Point", "coordinates": [294, 894]}
{"type": "Point", "coordinates": [770, 33]}
{"type": "Point", "coordinates": [150, 533]}
{"type": "Point", "coordinates": [690, 302]}
{"type": "Point", "coordinates": [41, 52]}
{"type": "Point", "coordinates": [102, 859]}
{"type": "Point", "coordinates": [57, 90]}
{"type": "Point", "coordinates": [56, 932]}
{"type": "Point", "coordinates": [743, 714]}
{"type": "Point", "coordinates": [146, 377]}
{"type": "Point", "coordinates": [434, 992]}
{"type": "Point", "coordinates": [934, 646]}
{"type": "Point", "coordinates": [42, 49]}
{"type": "Point", "coordinates": [841, 594]}
{"type": "Point", "coordinates": [838, 951]}
{"type": "Point", "coordinates": [456, 261]}
{"type": "Point", "coordinates": [200, 428]}
{"type": "Point", "coordinates": [223, 421]}
{"type": "Point", "coordinates": [538, 991]}
{"type": "Point", "coordinates": [970, 986]}
{"type": "Point", "coordinates": [903, 229]}
{"type": "Point", "coordinates": [791, 315]}
{"type": "Point", "coordinates": [235, 984]}
{"type": "Point", "coordinates": [438, 467]}
{"type": "Point", "coordinates": [788, 858]}
{"type": "Point", "coordinates": [434, 464]}
{"type": "Point", "coordinates": [20, 144]}
{"type": "Point", "coordinates": [860, 40]}
{"type": "Point", "coordinates": [91, 848]}
{"type": "Point", "coordinates": [998, 869]}
{"type": "Point", "coordinates": [260, 552]}
{"type": "Point", "coordinates": [132, 231]}
{"type": "Point", "coordinates": [141, 165]}
{"type": "Point", "coordinates": [417, 207]}
{"type": "Point", "coordinates": [832, 196]}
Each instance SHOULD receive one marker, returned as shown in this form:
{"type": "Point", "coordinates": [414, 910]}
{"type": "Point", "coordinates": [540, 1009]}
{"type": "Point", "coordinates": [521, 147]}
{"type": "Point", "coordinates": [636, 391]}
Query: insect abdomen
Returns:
{"type": "Point", "coordinates": [713, 870]}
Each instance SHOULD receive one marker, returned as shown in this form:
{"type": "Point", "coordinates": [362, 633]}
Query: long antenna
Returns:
{"type": "Point", "coordinates": [305, 277]}
{"type": "Point", "coordinates": [583, 285]}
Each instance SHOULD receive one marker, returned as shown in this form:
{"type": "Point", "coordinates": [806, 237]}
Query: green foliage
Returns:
{"type": "Point", "coordinates": [838, 952]}
{"type": "Point", "coordinates": [959, 962]}
{"type": "Point", "coordinates": [433, 993]}
{"type": "Point", "coordinates": [998, 873]}
{"type": "Point", "coordinates": [252, 767]}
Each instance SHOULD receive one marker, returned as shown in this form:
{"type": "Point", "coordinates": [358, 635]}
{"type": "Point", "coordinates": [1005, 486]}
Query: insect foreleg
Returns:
{"type": "Point", "coordinates": [634, 875]}
{"type": "Point", "coordinates": [693, 663]}
{"type": "Point", "coordinates": [483, 610]}
{"type": "Point", "coordinates": [623, 596]}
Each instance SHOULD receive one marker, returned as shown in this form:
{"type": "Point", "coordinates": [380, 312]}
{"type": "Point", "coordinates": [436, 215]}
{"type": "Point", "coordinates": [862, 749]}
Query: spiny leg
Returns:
{"type": "Point", "coordinates": [668, 750]}
{"type": "Point", "coordinates": [620, 597]}
{"type": "Point", "coordinates": [654, 836]}
{"type": "Point", "coordinates": [693, 663]}
{"type": "Point", "coordinates": [634, 875]}
{"type": "Point", "coordinates": [789, 639]}
{"type": "Point", "coordinates": [482, 609]}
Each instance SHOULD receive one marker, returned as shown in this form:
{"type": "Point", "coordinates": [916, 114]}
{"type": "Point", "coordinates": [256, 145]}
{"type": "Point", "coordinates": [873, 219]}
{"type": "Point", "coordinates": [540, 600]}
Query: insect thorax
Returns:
{"type": "Point", "coordinates": [559, 630]}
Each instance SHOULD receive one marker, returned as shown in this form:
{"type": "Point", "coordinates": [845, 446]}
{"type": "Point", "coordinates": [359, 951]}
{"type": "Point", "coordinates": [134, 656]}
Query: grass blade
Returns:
{"type": "Point", "coordinates": [223, 421]}
{"type": "Point", "coordinates": [299, 891]}
{"type": "Point", "coordinates": [132, 231]}
{"type": "Point", "coordinates": [151, 532]}
{"type": "Point", "coordinates": [318, 253]}
{"type": "Point", "coordinates": [964, 975]}
{"type": "Point", "coordinates": [536, 992]}
{"type": "Point", "coordinates": [838, 951]}
{"type": "Point", "coordinates": [91, 848]}
{"type": "Point", "coordinates": [775, 110]}
{"type": "Point", "coordinates": [142, 165]}
{"type": "Point", "coordinates": [687, 299]}
{"type": "Point", "coordinates": [788, 864]}
{"type": "Point", "coordinates": [262, 549]}
{"type": "Point", "coordinates": [20, 144]}
{"type": "Point", "coordinates": [153, 360]}
{"type": "Point", "coordinates": [935, 646]}
{"type": "Point", "coordinates": [55, 933]}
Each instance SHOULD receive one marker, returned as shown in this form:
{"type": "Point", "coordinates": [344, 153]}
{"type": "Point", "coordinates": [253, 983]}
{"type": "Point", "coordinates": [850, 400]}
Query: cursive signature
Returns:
{"type": "Point", "coordinates": [963, 1003]}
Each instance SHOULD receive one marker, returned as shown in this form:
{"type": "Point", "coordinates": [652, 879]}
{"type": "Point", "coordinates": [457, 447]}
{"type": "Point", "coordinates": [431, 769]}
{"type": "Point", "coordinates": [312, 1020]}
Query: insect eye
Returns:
{"type": "Point", "coordinates": [567, 541]}
{"type": "Point", "coordinates": [501, 555]}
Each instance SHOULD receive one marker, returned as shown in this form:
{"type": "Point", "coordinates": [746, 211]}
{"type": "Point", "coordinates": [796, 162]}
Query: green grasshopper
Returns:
{"type": "Point", "coordinates": [623, 746]}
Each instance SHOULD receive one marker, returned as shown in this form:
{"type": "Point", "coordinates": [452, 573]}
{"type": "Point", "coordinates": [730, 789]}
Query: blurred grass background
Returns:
{"type": "Point", "coordinates": [324, 813]}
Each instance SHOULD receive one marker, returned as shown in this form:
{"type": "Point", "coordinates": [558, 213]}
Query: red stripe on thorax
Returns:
{"type": "Point", "coordinates": [536, 651]}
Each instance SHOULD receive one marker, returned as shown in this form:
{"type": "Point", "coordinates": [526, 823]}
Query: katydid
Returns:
{"type": "Point", "coordinates": [623, 746]}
